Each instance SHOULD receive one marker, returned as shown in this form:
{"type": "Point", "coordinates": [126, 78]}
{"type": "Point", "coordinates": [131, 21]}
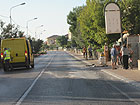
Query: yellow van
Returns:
{"type": "Point", "coordinates": [21, 52]}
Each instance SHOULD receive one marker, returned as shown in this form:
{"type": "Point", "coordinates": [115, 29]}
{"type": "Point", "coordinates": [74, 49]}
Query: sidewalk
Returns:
{"type": "Point", "coordinates": [128, 76]}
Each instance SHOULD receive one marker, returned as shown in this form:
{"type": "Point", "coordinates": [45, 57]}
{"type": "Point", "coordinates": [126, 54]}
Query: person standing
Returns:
{"type": "Point", "coordinates": [113, 57]}
{"type": "Point", "coordinates": [85, 52]}
{"type": "Point", "coordinates": [90, 51]}
{"type": "Point", "coordinates": [7, 58]}
{"type": "Point", "coordinates": [125, 53]}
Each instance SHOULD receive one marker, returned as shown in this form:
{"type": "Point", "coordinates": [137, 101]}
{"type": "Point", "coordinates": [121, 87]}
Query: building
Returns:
{"type": "Point", "coordinates": [52, 40]}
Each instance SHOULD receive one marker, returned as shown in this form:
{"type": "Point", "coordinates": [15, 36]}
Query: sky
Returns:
{"type": "Point", "coordinates": [52, 14]}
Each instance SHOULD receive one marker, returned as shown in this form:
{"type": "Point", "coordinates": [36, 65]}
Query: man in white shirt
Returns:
{"type": "Point", "coordinates": [125, 53]}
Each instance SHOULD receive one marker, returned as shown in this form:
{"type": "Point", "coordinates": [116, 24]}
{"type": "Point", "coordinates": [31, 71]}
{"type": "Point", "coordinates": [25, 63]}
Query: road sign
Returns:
{"type": "Point", "coordinates": [112, 18]}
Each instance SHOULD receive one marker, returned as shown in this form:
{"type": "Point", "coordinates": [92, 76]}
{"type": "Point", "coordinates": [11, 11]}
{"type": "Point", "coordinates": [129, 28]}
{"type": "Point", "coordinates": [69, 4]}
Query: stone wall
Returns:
{"type": "Point", "coordinates": [139, 50]}
{"type": "Point", "coordinates": [134, 41]}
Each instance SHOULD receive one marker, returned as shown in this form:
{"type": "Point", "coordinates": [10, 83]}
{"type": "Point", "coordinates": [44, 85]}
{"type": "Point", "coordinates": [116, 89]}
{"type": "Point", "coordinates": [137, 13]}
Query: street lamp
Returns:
{"type": "Point", "coordinates": [11, 11]}
{"type": "Point", "coordinates": [36, 30]}
{"type": "Point", "coordinates": [41, 33]}
{"type": "Point", "coordinates": [28, 22]}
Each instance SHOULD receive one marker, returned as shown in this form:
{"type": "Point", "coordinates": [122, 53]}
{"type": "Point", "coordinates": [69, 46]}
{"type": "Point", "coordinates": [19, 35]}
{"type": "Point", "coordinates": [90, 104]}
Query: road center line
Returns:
{"type": "Point", "coordinates": [32, 85]}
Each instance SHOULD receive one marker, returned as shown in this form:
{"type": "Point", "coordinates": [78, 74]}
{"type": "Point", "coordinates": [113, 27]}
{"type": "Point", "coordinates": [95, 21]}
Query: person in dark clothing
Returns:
{"type": "Point", "coordinates": [124, 51]}
{"type": "Point", "coordinates": [90, 52]}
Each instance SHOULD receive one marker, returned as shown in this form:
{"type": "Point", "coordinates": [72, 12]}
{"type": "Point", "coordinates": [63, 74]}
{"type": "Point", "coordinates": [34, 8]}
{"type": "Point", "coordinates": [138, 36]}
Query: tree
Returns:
{"type": "Point", "coordinates": [87, 23]}
{"type": "Point", "coordinates": [72, 20]}
{"type": "Point", "coordinates": [92, 24]}
{"type": "Point", "coordinates": [20, 34]}
{"type": "Point", "coordinates": [62, 41]}
{"type": "Point", "coordinates": [44, 46]}
{"type": "Point", "coordinates": [6, 31]}
{"type": "Point", "coordinates": [130, 10]}
{"type": "Point", "coordinates": [36, 44]}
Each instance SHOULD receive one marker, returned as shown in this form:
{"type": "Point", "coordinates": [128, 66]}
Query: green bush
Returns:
{"type": "Point", "coordinates": [100, 50]}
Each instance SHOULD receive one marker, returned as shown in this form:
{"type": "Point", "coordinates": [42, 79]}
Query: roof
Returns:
{"type": "Point", "coordinates": [53, 36]}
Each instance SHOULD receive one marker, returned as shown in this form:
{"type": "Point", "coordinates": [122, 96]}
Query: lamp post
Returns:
{"type": "Point", "coordinates": [28, 22]}
{"type": "Point", "coordinates": [11, 12]}
{"type": "Point", "coordinates": [41, 33]}
{"type": "Point", "coordinates": [36, 30]}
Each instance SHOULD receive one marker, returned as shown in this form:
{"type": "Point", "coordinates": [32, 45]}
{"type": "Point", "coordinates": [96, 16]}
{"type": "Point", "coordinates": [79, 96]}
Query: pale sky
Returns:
{"type": "Point", "coordinates": [52, 14]}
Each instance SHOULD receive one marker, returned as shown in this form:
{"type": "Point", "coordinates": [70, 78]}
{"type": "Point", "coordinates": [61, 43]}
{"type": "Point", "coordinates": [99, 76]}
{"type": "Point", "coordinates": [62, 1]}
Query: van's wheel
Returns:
{"type": "Point", "coordinates": [32, 64]}
{"type": "Point", "coordinates": [5, 68]}
{"type": "Point", "coordinates": [28, 66]}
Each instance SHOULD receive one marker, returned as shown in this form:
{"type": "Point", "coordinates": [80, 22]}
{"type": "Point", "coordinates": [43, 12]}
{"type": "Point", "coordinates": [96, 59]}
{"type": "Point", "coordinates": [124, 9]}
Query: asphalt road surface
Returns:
{"type": "Point", "coordinates": [60, 79]}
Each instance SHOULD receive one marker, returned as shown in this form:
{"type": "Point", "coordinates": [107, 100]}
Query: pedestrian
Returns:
{"type": "Point", "coordinates": [118, 54]}
{"type": "Point", "coordinates": [106, 53]}
{"type": "Point", "coordinates": [85, 52]}
{"type": "Point", "coordinates": [7, 58]}
{"type": "Point", "coordinates": [113, 57]}
{"type": "Point", "coordinates": [125, 51]}
{"type": "Point", "coordinates": [90, 51]}
{"type": "Point", "coordinates": [102, 59]}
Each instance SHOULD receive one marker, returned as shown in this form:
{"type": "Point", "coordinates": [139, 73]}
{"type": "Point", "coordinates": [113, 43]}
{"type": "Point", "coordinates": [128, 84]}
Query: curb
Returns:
{"type": "Point", "coordinates": [78, 58]}
{"type": "Point", "coordinates": [121, 78]}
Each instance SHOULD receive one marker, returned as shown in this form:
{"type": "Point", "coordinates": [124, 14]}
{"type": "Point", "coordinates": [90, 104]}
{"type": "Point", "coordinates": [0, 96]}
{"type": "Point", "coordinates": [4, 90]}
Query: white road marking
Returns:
{"type": "Point", "coordinates": [118, 77]}
{"type": "Point", "coordinates": [126, 80]}
{"type": "Point", "coordinates": [123, 93]}
{"type": "Point", "coordinates": [32, 85]}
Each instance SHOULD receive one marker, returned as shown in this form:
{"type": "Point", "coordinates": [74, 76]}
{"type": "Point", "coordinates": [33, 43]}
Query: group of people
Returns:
{"type": "Point", "coordinates": [87, 52]}
{"type": "Point", "coordinates": [121, 56]}
{"type": "Point", "coordinates": [118, 55]}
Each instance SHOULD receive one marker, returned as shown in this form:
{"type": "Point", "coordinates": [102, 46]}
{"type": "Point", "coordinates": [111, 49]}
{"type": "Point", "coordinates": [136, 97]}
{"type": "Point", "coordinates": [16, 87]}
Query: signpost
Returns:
{"type": "Point", "coordinates": [113, 19]}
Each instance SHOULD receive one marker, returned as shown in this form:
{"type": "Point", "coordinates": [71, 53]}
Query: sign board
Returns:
{"type": "Point", "coordinates": [112, 18]}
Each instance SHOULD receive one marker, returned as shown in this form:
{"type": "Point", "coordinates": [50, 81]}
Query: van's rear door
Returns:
{"type": "Point", "coordinates": [17, 47]}
{"type": "Point", "coordinates": [18, 51]}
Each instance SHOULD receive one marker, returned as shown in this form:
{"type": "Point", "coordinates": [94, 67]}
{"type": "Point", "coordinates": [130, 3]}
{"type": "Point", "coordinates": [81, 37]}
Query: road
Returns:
{"type": "Point", "coordinates": [60, 79]}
